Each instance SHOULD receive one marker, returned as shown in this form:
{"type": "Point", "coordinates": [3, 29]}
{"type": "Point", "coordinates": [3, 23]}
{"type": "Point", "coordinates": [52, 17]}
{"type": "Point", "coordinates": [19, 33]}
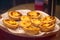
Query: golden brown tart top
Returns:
{"type": "Point", "coordinates": [32, 28]}
{"type": "Point", "coordinates": [48, 19]}
{"type": "Point", "coordinates": [34, 14]}
{"type": "Point", "coordinates": [10, 23]}
{"type": "Point", "coordinates": [24, 23]}
{"type": "Point", "coordinates": [35, 21]}
{"type": "Point", "coordinates": [25, 18]}
{"type": "Point", "coordinates": [15, 13]}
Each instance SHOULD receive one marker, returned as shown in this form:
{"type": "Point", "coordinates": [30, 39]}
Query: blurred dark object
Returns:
{"type": "Point", "coordinates": [46, 6]}
{"type": "Point", "coordinates": [5, 5]}
{"type": "Point", "coordinates": [51, 7]}
{"type": "Point", "coordinates": [58, 2]}
{"type": "Point", "coordinates": [18, 2]}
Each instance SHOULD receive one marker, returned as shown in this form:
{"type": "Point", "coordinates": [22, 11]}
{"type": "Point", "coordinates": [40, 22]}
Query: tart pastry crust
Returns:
{"type": "Point", "coordinates": [47, 27]}
{"type": "Point", "coordinates": [10, 23]}
{"type": "Point", "coordinates": [34, 14]}
{"type": "Point", "coordinates": [47, 23]}
{"type": "Point", "coordinates": [14, 15]}
{"type": "Point", "coordinates": [31, 30]}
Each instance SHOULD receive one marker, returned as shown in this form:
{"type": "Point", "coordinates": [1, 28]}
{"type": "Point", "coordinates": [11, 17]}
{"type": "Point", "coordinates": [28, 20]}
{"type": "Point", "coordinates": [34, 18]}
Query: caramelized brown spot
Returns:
{"type": "Point", "coordinates": [38, 13]}
{"type": "Point", "coordinates": [12, 13]}
{"type": "Point", "coordinates": [19, 13]}
{"type": "Point", "coordinates": [28, 13]}
{"type": "Point", "coordinates": [7, 20]}
{"type": "Point", "coordinates": [27, 27]}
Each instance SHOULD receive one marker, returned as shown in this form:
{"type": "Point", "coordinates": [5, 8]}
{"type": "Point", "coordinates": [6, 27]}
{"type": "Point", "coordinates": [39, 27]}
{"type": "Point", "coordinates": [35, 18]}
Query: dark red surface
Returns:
{"type": "Point", "coordinates": [6, 36]}
{"type": "Point", "coordinates": [39, 7]}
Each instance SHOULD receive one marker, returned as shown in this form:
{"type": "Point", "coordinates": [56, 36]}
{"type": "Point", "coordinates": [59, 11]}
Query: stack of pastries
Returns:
{"type": "Point", "coordinates": [32, 23]}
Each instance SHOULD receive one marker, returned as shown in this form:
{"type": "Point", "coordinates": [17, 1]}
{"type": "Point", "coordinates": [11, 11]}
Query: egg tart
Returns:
{"type": "Point", "coordinates": [35, 22]}
{"type": "Point", "coordinates": [25, 18]}
{"type": "Point", "coordinates": [14, 15]}
{"type": "Point", "coordinates": [24, 23]}
{"type": "Point", "coordinates": [10, 23]}
{"type": "Point", "coordinates": [34, 14]}
{"type": "Point", "coordinates": [48, 19]}
{"type": "Point", "coordinates": [47, 27]}
{"type": "Point", "coordinates": [31, 30]}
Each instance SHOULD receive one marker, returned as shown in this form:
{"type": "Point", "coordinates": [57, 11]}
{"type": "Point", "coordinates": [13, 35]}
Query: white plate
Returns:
{"type": "Point", "coordinates": [20, 32]}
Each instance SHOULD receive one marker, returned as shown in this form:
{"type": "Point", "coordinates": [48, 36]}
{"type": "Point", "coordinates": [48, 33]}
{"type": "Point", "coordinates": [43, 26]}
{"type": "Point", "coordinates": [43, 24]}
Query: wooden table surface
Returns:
{"type": "Point", "coordinates": [7, 36]}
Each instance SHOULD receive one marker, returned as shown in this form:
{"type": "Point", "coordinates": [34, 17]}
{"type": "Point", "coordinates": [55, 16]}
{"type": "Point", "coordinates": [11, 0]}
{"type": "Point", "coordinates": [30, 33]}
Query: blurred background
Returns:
{"type": "Point", "coordinates": [8, 4]}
